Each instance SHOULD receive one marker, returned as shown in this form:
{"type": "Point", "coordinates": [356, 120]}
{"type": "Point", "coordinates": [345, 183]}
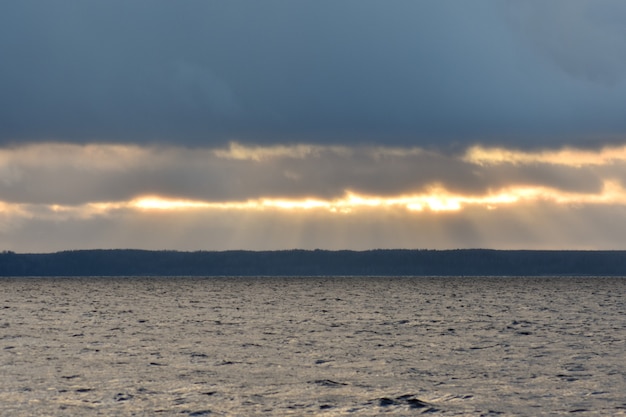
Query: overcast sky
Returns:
{"type": "Point", "coordinates": [107, 102]}
{"type": "Point", "coordinates": [324, 71]}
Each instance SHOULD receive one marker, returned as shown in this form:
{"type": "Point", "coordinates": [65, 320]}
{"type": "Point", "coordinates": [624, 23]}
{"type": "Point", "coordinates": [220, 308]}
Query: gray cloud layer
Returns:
{"type": "Point", "coordinates": [586, 39]}
{"type": "Point", "coordinates": [71, 174]}
{"type": "Point", "coordinates": [405, 72]}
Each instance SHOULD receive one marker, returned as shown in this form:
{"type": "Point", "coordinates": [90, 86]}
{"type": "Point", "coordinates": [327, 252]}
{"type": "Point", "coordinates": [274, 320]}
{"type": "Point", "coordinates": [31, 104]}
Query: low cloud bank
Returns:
{"type": "Point", "coordinates": [58, 196]}
{"type": "Point", "coordinates": [68, 174]}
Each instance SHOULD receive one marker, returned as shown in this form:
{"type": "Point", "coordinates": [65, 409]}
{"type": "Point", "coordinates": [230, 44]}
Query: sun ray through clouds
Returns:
{"type": "Point", "coordinates": [354, 194]}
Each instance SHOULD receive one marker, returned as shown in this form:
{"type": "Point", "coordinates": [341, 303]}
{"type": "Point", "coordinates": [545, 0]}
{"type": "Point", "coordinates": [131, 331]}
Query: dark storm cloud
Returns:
{"type": "Point", "coordinates": [586, 39]}
{"type": "Point", "coordinates": [202, 73]}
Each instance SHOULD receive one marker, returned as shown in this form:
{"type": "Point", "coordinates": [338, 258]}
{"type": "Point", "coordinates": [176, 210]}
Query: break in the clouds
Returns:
{"type": "Point", "coordinates": [412, 73]}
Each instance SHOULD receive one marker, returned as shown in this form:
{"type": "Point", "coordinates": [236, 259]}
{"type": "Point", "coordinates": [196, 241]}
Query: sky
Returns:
{"type": "Point", "coordinates": [354, 124]}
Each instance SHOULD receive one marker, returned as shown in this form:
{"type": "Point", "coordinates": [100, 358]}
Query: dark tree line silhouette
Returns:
{"type": "Point", "coordinates": [462, 262]}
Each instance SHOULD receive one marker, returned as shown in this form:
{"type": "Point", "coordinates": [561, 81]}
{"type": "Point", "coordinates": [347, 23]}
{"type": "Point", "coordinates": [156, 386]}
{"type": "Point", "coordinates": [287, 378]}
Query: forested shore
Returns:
{"type": "Point", "coordinates": [462, 262]}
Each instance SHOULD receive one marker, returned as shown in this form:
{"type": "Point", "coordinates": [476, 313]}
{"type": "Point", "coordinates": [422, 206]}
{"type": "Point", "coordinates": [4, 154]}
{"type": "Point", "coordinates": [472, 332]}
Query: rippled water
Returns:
{"type": "Point", "coordinates": [312, 346]}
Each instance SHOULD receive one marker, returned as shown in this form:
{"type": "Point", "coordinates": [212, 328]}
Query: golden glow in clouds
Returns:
{"type": "Point", "coordinates": [76, 171]}
{"type": "Point", "coordinates": [436, 200]}
{"type": "Point", "coordinates": [567, 156]}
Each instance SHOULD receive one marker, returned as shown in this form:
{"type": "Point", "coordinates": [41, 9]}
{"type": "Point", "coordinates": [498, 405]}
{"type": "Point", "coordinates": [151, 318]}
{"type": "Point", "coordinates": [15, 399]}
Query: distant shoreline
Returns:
{"type": "Point", "coordinates": [380, 262]}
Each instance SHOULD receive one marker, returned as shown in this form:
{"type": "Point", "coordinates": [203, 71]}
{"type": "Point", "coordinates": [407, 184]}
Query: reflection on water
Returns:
{"type": "Point", "coordinates": [312, 346]}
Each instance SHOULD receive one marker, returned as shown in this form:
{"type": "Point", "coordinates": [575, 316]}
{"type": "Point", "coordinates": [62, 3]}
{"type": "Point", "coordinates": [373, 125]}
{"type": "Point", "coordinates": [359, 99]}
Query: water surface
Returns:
{"type": "Point", "coordinates": [312, 346]}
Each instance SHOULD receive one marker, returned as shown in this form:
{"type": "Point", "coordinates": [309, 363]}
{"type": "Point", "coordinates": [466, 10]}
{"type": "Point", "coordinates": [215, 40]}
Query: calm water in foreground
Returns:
{"type": "Point", "coordinates": [312, 346]}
